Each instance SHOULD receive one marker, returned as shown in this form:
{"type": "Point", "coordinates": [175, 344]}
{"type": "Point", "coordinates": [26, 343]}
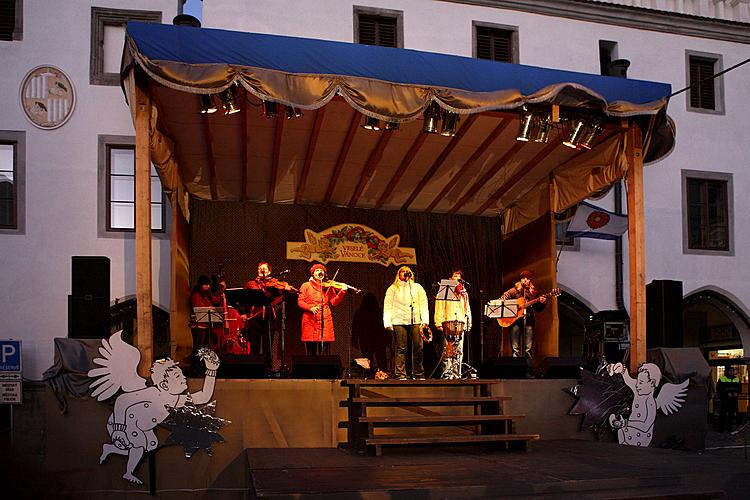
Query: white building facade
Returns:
{"type": "Point", "coordinates": [64, 209]}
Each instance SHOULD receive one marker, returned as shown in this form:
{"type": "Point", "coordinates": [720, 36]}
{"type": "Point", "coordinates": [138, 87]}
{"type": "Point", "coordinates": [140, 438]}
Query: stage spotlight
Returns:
{"type": "Point", "coordinates": [431, 119]}
{"type": "Point", "coordinates": [576, 134]}
{"type": "Point", "coordinates": [450, 123]}
{"type": "Point", "coordinates": [270, 109]}
{"type": "Point", "coordinates": [228, 101]}
{"type": "Point", "coordinates": [292, 112]}
{"type": "Point", "coordinates": [392, 125]}
{"type": "Point", "coordinates": [525, 126]}
{"type": "Point", "coordinates": [207, 104]}
{"type": "Point", "coordinates": [589, 136]}
{"type": "Point", "coordinates": [371, 123]}
{"type": "Point", "coordinates": [543, 129]}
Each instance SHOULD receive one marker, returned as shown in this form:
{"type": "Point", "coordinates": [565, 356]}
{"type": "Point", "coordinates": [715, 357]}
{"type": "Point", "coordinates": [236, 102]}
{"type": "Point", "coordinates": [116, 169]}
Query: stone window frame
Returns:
{"type": "Point", "coordinates": [714, 176]}
{"type": "Point", "coordinates": [380, 12]}
{"type": "Point", "coordinates": [18, 139]}
{"type": "Point", "coordinates": [718, 82]}
{"type": "Point", "coordinates": [105, 142]}
{"type": "Point", "coordinates": [514, 41]}
{"type": "Point", "coordinates": [100, 18]}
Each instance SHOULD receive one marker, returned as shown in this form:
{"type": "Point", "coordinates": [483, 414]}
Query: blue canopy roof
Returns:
{"type": "Point", "coordinates": [201, 46]}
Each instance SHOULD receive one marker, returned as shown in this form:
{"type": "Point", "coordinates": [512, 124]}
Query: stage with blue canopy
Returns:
{"type": "Point", "coordinates": [325, 123]}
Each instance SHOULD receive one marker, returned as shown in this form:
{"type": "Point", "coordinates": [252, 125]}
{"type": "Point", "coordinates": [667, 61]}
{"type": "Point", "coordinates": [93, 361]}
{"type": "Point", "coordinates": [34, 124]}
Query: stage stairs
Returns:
{"type": "Point", "coordinates": [404, 413]}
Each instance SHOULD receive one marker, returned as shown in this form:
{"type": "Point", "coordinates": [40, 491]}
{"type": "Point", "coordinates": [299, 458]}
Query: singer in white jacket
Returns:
{"type": "Point", "coordinates": [406, 313]}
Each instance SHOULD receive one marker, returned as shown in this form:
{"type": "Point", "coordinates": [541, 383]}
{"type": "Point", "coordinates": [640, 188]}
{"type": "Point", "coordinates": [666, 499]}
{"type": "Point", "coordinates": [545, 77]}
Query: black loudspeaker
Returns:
{"type": "Point", "coordinates": [242, 366]}
{"type": "Point", "coordinates": [503, 367]}
{"type": "Point", "coordinates": [88, 304]}
{"type": "Point", "coordinates": [90, 276]}
{"type": "Point", "coordinates": [564, 367]}
{"type": "Point", "coordinates": [328, 366]}
{"type": "Point", "coordinates": [664, 314]}
{"type": "Point", "coordinates": [88, 317]}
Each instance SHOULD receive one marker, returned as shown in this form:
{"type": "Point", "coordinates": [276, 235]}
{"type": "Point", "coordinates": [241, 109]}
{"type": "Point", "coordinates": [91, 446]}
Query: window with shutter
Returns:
{"type": "Point", "coordinates": [376, 26]}
{"type": "Point", "coordinates": [705, 90]}
{"type": "Point", "coordinates": [378, 30]}
{"type": "Point", "coordinates": [702, 95]}
{"type": "Point", "coordinates": [496, 43]}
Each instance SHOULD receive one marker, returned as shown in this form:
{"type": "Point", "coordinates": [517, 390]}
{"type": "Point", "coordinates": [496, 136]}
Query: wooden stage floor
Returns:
{"type": "Point", "coordinates": [564, 469]}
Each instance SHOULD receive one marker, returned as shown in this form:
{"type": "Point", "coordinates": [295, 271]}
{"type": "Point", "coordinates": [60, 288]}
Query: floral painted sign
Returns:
{"type": "Point", "coordinates": [350, 243]}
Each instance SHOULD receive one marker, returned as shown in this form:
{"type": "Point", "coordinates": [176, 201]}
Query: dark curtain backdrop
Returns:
{"type": "Point", "coordinates": [239, 235]}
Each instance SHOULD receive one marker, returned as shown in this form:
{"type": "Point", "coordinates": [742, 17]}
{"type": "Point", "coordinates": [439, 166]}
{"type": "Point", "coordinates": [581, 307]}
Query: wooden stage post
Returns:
{"type": "Point", "coordinates": [144, 321]}
{"type": "Point", "coordinates": [636, 248]}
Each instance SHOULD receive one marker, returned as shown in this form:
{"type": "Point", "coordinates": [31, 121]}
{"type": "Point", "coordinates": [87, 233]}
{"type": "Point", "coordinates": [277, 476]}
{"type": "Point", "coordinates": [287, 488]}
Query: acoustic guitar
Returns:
{"type": "Point", "coordinates": [522, 305]}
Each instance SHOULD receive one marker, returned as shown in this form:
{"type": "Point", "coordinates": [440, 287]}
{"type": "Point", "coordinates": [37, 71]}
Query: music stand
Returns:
{"type": "Point", "coordinates": [447, 290]}
{"type": "Point", "coordinates": [211, 315]}
{"type": "Point", "coordinates": [500, 308]}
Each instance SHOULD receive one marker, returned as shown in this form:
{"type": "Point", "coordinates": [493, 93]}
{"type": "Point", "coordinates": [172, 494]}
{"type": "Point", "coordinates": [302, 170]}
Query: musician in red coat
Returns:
{"type": "Point", "coordinates": [316, 301]}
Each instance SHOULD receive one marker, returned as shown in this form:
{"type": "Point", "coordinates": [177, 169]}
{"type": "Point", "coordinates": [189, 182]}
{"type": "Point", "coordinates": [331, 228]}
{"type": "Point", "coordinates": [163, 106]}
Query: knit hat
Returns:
{"type": "Point", "coordinates": [318, 266]}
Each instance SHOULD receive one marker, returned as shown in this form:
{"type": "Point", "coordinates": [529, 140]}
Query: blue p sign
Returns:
{"type": "Point", "coordinates": [10, 355]}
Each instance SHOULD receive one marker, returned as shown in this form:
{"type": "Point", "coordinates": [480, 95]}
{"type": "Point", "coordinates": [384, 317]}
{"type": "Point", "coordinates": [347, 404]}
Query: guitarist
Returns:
{"type": "Point", "coordinates": [524, 289]}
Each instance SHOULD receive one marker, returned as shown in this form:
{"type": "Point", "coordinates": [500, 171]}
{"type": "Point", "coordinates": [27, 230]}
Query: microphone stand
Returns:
{"type": "Point", "coordinates": [322, 315]}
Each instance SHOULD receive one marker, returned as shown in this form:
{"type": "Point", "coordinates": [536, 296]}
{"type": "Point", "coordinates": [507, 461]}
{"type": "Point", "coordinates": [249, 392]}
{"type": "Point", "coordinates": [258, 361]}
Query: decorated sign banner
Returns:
{"type": "Point", "coordinates": [350, 243]}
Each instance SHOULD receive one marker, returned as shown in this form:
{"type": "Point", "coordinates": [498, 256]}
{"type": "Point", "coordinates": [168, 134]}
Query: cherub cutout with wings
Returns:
{"type": "Point", "coordinates": [638, 428]}
{"type": "Point", "coordinates": [140, 408]}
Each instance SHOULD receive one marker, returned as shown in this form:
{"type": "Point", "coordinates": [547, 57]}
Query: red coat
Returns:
{"type": "Point", "coordinates": [310, 296]}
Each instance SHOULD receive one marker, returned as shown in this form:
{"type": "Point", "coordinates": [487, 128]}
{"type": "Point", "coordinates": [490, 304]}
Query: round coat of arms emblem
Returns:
{"type": "Point", "coordinates": [47, 97]}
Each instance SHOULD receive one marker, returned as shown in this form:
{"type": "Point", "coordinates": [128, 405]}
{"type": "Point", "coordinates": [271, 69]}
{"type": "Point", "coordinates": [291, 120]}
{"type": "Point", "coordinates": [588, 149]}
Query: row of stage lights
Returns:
{"type": "Point", "coordinates": [228, 104]}
{"type": "Point", "coordinates": [533, 126]}
{"type": "Point", "coordinates": [436, 121]}
{"type": "Point", "coordinates": [539, 126]}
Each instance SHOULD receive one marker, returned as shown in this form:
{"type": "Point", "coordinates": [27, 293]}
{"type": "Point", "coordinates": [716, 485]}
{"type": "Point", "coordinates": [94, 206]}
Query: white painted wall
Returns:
{"type": "Point", "coordinates": [704, 142]}
{"type": "Point", "coordinates": [61, 180]}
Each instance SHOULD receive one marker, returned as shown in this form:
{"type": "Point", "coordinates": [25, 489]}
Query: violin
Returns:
{"type": "Point", "coordinates": [281, 285]}
{"type": "Point", "coordinates": [339, 285]}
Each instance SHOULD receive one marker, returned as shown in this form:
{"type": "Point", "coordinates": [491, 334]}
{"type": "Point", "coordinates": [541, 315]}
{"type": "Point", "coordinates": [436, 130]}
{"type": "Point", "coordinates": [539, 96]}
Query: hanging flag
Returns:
{"type": "Point", "coordinates": [591, 221]}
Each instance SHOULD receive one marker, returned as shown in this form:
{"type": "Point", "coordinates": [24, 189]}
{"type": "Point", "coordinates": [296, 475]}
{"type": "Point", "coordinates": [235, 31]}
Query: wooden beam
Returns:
{"type": "Point", "coordinates": [311, 144]}
{"type": "Point", "coordinates": [489, 174]}
{"type": "Point", "coordinates": [144, 340]}
{"type": "Point", "coordinates": [470, 162]}
{"type": "Point", "coordinates": [405, 162]}
{"type": "Point", "coordinates": [343, 153]}
{"type": "Point", "coordinates": [212, 181]}
{"type": "Point", "coordinates": [245, 149]}
{"type": "Point", "coordinates": [636, 248]}
{"type": "Point", "coordinates": [278, 134]}
{"type": "Point", "coordinates": [440, 160]}
{"type": "Point", "coordinates": [369, 169]}
{"type": "Point", "coordinates": [522, 172]}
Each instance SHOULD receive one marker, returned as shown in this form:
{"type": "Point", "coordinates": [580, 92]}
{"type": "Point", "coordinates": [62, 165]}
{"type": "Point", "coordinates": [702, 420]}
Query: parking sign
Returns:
{"type": "Point", "coordinates": [10, 356]}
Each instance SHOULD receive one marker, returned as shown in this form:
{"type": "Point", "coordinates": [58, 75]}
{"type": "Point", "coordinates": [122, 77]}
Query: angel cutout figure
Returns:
{"type": "Point", "coordinates": [638, 428]}
{"type": "Point", "coordinates": [140, 408]}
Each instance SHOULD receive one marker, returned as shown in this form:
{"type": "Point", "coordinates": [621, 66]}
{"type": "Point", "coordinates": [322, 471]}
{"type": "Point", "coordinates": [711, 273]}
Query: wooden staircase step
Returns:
{"type": "Point", "coordinates": [520, 440]}
{"type": "Point", "coordinates": [434, 401]}
{"type": "Point", "coordinates": [418, 419]}
{"type": "Point", "coordinates": [428, 382]}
